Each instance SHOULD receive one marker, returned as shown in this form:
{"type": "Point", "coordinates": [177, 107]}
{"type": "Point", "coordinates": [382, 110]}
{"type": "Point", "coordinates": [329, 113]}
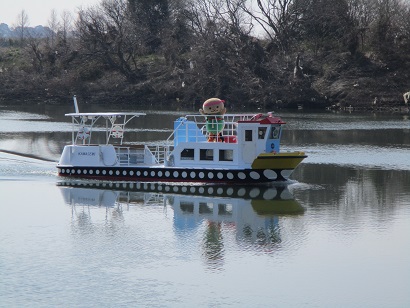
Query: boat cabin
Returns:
{"type": "Point", "coordinates": [242, 139]}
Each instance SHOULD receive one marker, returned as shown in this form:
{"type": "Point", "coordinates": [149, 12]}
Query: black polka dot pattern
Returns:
{"type": "Point", "coordinates": [249, 191]}
{"type": "Point", "coordinates": [172, 174]}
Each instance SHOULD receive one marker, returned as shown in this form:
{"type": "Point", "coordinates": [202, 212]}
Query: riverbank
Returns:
{"type": "Point", "coordinates": [330, 81]}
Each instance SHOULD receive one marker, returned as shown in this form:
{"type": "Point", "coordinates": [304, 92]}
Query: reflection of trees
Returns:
{"type": "Point", "coordinates": [269, 234]}
{"type": "Point", "coordinates": [114, 219]}
{"type": "Point", "coordinates": [383, 137]}
{"type": "Point", "coordinates": [212, 244]}
{"type": "Point", "coordinates": [350, 188]}
{"type": "Point", "coordinates": [81, 220]}
{"type": "Point", "coordinates": [82, 223]}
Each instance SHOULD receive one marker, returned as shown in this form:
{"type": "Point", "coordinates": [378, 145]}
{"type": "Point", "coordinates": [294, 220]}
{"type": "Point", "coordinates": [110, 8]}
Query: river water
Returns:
{"type": "Point", "coordinates": [337, 235]}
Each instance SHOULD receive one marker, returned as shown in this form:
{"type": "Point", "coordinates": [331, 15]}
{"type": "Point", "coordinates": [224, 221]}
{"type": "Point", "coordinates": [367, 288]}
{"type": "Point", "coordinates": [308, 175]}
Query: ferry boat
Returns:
{"type": "Point", "coordinates": [245, 150]}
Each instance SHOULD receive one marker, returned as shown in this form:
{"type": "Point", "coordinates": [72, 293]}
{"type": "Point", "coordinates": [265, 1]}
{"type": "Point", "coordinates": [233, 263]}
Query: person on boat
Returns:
{"type": "Point", "coordinates": [213, 110]}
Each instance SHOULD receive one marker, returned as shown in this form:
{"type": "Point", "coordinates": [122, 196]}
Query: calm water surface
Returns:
{"type": "Point", "coordinates": [337, 235]}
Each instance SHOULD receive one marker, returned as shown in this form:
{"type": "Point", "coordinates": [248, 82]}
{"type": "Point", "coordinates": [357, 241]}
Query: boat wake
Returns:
{"type": "Point", "coordinates": [25, 155]}
{"type": "Point", "coordinates": [14, 165]}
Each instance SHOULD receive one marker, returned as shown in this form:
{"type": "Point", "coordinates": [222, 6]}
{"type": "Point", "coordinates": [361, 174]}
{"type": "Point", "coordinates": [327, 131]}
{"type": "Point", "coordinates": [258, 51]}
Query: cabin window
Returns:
{"type": "Point", "coordinates": [261, 132]}
{"type": "Point", "coordinates": [248, 135]}
{"type": "Point", "coordinates": [206, 207]}
{"type": "Point", "coordinates": [187, 154]}
{"type": "Point", "coordinates": [274, 132]}
{"type": "Point", "coordinates": [206, 154]}
{"type": "Point", "coordinates": [187, 207]}
{"type": "Point", "coordinates": [226, 155]}
{"type": "Point", "coordinates": [225, 209]}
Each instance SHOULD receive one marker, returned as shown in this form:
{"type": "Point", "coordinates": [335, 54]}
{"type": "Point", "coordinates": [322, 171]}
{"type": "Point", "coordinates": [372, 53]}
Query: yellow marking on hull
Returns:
{"type": "Point", "coordinates": [278, 161]}
{"type": "Point", "coordinates": [277, 207]}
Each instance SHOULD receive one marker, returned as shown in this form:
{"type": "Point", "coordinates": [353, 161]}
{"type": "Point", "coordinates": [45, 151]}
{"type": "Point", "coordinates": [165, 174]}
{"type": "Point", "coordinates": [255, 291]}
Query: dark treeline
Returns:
{"type": "Point", "coordinates": [268, 53]}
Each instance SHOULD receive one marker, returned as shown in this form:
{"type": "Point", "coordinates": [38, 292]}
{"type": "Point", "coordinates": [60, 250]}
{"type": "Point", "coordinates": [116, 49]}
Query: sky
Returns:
{"type": "Point", "coordinates": [39, 12]}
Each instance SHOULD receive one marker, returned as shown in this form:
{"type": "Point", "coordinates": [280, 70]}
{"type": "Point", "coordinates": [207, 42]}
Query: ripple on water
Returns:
{"type": "Point", "coordinates": [19, 166]}
{"type": "Point", "coordinates": [357, 155]}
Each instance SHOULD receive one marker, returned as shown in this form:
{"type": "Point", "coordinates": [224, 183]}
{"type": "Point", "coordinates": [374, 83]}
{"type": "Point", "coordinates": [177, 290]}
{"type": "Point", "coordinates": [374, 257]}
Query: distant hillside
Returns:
{"type": "Point", "coordinates": [37, 31]}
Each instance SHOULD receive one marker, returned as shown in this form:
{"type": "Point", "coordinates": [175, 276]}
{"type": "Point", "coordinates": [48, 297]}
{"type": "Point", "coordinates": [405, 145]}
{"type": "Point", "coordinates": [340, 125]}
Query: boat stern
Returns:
{"type": "Point", "coordinates": [281, 163]}
{"type": "Point", "coordinates": [75, 155]}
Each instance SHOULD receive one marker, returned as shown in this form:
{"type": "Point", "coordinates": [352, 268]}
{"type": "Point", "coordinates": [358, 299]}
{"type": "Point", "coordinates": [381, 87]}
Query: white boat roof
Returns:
{"type": "Point", "coordinates": [104, 114]}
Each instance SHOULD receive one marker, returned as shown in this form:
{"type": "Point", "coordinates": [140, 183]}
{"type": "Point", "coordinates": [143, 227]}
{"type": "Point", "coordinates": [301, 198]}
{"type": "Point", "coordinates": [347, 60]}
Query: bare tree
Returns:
{"type": "Point", "coordinates": [176, 38]}
{"type": "Point", "coordinates": [226, 59]}
{"type": "Point", "coordinates": [66, 24]}
{"type": "Point", "coordinates": [382, 25]}
{"type": "Point", "coordinates": [37, 54]}
{"type": "Point", "coordinates": [278, 19]}
{"type": "Point", "coordinates": [402, 35]}
{"type": "Point", "coordinates": [385, 26]}
{"type": "Point", "coordinates": [54, 26]}
{"type": "Point", "coordinates": [106, 33]}
{"type": "Point", "coordinates": [327, 25]}
{"type": "Point", "coordinates": [361, 15]}
{"type": "Point", "coordinates": [362, 12]}
{"type": "Point", "coordinates": [150, 18]}
{"type": "Point", "coordinates": [22, 24]}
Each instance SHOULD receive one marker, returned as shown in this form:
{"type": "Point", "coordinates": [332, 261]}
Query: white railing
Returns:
{"type": "Point", "coordinates": [130, 155]}
{"type": "Point", "coordinates": [149, 155]}
{"type": "Point", "coordinates": [195, 128]}
{"type": "Point", "coordinates": [228, 118]}
{"type": "Point", "coordinates": [160, 152]}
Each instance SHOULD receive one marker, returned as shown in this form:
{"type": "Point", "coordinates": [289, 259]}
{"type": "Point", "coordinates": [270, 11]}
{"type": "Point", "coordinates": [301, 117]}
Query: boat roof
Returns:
{"type": "Point", "coordinates": [104, 114]}
{"type": "Point", "coordinates": [272, 120]}
{"type": "Point", "coordinates": [267, 120]}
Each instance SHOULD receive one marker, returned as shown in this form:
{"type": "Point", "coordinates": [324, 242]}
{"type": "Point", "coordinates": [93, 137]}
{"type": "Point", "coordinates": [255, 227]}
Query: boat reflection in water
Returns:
{"type": "Point", "coordinates": [251, 213]}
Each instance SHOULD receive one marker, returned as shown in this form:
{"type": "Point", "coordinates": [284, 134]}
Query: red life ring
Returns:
{"type": "Point", "coordinates": [117, 132]}
{"type": "Point", "coordinates": [83, 133]}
